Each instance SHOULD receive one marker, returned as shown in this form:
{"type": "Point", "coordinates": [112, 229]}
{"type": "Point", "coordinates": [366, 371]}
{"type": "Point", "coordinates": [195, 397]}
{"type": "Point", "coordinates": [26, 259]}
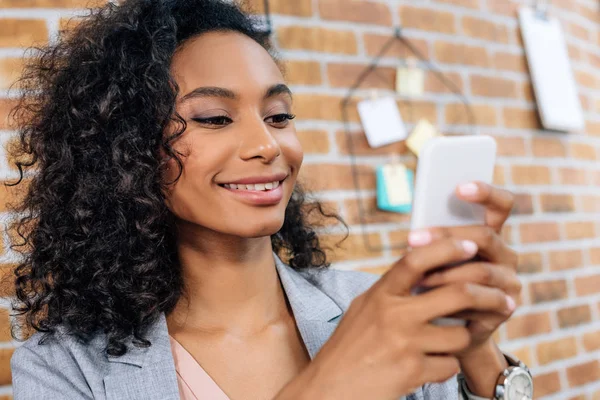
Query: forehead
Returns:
{"type": "Point", "coordinates": [224, 59]}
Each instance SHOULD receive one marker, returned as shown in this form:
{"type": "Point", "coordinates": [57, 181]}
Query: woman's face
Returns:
{"type": "Point", "coordinates": [241, 155]}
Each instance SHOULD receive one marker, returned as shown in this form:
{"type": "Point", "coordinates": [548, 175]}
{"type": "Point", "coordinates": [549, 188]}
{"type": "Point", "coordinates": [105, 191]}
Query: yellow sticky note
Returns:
{"type": "Point", "coordinates": [421, 135]}
{"type": "Point", "coordinates": [410, 81]}
{"type": "Point", "coordinates": [397, 185]}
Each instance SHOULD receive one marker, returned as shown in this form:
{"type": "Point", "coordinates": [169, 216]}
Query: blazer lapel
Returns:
{"type": "Point", "coordinates": [144, 373]}
{"type": "Point", "coordinates": [316, 314]}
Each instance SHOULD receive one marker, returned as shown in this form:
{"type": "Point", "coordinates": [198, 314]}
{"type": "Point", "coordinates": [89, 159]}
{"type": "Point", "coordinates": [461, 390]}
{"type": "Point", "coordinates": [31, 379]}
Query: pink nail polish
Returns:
{"type": "Point", "coordinates": [419, 238]}
{"type": "Point", "coordinates": [469, 246]}
{"type": "Point", "coordinates": [510, 304]}
{"type": "Point", "coordinates": [468, 189]}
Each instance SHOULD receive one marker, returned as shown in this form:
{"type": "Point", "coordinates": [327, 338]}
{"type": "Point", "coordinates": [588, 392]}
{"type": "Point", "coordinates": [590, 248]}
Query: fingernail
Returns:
{"type": "Point", "coordinates": [510, 304]}
{"type": "Point", "coordinates": [469, 246]}
{"type": "Point", "coordinates": [419, 238]}
{"type": "Point", "coordinates": [468, 189]}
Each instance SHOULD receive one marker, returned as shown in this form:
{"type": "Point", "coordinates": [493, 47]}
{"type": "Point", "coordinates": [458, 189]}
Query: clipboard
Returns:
{"type": "Point", "coordinates": [554, 85]}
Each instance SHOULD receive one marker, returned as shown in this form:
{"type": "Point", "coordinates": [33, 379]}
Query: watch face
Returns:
{"type": "Point", "coordinates": [519, 386]}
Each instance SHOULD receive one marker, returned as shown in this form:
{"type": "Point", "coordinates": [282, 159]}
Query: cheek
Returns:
{"type": "Point", "coordinates": [292, 150]}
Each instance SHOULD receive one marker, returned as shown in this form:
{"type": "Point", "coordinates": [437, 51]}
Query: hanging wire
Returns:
{"type": "Point", "coordinates": [347, 102]}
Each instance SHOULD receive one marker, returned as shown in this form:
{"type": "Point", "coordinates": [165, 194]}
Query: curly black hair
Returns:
{"type": "Point", "coordinates": [97, 241]}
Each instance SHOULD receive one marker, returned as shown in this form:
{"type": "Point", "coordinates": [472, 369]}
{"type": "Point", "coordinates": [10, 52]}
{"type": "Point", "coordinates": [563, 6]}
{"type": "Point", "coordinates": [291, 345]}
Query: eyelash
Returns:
{"type": "Point", "coordinates": [220, 120]}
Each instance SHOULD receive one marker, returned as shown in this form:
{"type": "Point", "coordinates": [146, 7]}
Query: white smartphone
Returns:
{"type": "Point", "coordinates": [444, 163]}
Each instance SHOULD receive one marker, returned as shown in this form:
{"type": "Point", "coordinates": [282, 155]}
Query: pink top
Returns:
{"type": "Point", "coordinates": [194, 382]}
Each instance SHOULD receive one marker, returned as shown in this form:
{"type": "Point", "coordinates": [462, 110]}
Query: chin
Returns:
{"type": "Point", "coordinates": [260, 229]}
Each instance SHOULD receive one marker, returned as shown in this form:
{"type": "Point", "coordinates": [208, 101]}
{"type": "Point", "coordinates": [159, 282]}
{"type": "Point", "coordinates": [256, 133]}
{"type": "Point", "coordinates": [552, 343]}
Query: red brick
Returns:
{"type": "Point", "coordinates": [23, 32]}
{"type": "Point", "coordinates": [6, 105]}
{"type": "Point", "coordinates": [454, 53]}
{"type": "Point", "coordinates": [582, 374]}
{"type": "Point", "coordinates": [320, 219]}
{"type": "Point", "coordinates": [591, 341]}
{"type": "Point", "coordinates": [587, 285]}
{"type": "Point", "coordinates": [580, 230]}
{"type": "Point", "coordinates": [412, 111]}
{"type": "Point", "coordinates": [572, 176]}
{"type": "Point", "coordinates": [593, 128]}
{"type": "Point", "coordinates": [10, 71]}
{"type": "Point", "coordinates": [5, 373]}
{"type": "Point", "coordinates": [545, 291]}
{"type": "Point", "coordinates": [399, 239]}
{"type": "Point", "coordinates": [578, 31]}
{"type": "Point", "coordinates": [575, 52]}
{"type": "Point", "coordinates": [474, 4]}
{"type": "Point", "coordinates": [5, 335]}
{"type": "Point", "coordinates": [531, 175]}
{"type": "Point", "coordinates": [545, 147]}
{"type": "Point", "coordinates": [510, 62]}
{"type": "Point", "coordinates": [556, 350]}
{"type": "Point", "coordinates": [565, 259]}
{"type": "Point", "coordinates": [582, 151]}
{"type": "Point", "coordinates": [486, 30]}
{"type": "Point", "coordinates": [351, 248]}
{"type": "Point", "coordinates": [554, 203]}
{"type": "Point", "coordinates": [586, 79]}
{"type": "Point", "coordinates": [590, 204]}
{"type": "Point", "coordinates": [502, 7]}
{"type": "Point", "coordinates": [537, 232]}
{"type": "Point", "coordinates": [427, 19]}
{"type": "Point", "coordinates": [371, 213]}
{"type": "Point", "coordinates": [493, 87]}
{"type": "Point", "coordinates": [317, 39]}
{"type": "Point", "coordinates": [510, 146]}
{"type": "Point", "coordinates": [499, 176]}
{"type": "Point", "coordinates": [573, 316]}
{"type": "Point", "coordinates": [374, 43]}
{"type": "Point", "coordinates": [523, 204]}
{"type": "Point", "coordinates": [526, 91]}
{"type": "Point", "coordinates": [314, 141]}
{"type": "Point", "coordinates": [528, 325]}
{"type": "Point", "coordinates": [435, 85]}
{"type": "Point", "coordinates": [360, 145]}
{"type": "Point", "coordinates": [546, 384]}
{"type": "Point", "coordinates": [530, 263]}
{"type": "Point", "coordinates": [355, 11]}
{"type": "Point", "coordinates": [336, 177]}
{"type": "Point", "coordinates": [595, 256]}
{"type": "Point", "coordinates": [456, 114]}
{"type": "Point", "coordinates": [518, 118]}
{"type": "Point", "coordinates": [322, 107]}
{"type": "Point", "coordinates": [345, 75]}
{"type": "Point", "coordinates": [303, 72]}
{"type": "Point", "coordinates": [299, 8]}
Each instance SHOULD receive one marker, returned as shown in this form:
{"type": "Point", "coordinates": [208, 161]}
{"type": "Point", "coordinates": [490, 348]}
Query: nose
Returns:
{"type": "Point", "coordinates": [258, 142]}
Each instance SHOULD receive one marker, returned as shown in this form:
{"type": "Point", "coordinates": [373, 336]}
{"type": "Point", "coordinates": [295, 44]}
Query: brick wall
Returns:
{"type": "Point", "coordinates": [477, 44]}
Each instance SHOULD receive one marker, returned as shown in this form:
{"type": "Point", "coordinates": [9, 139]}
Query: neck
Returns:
{"type": "Point", "coordinates": [231, 284]}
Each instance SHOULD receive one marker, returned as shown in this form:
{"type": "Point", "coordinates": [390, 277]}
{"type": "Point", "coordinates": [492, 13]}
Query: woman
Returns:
{"type": "Point", "coordinates": [162, 210]}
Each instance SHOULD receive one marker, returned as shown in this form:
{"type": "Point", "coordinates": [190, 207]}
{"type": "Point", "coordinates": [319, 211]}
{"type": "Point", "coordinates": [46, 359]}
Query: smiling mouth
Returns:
{"type": "Point", "coordinates": [255, 187]}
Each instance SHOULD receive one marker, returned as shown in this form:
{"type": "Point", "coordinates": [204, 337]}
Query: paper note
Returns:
{"type": "Point", "coordinates": [410, 81]}
{"type": "Point", "coordinates": [396, 183]}
{"type": "Point", "coordinates": [381, 121]}
{"type": "Point", "coordinates": [420, 135]}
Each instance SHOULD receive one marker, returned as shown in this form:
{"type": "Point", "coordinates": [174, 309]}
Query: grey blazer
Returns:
{"type": "Point", "coordinates": [64, 368]}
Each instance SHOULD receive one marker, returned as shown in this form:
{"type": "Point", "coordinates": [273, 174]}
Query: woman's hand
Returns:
{"type": "Point", "coordinates": [495, 267]}
{"type": "Point", "coordinates": [385, 346]}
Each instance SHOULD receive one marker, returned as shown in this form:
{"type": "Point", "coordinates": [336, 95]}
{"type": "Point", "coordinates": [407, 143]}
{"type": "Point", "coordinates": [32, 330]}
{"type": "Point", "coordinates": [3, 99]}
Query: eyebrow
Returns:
{"type": "Point", "coordinates": [212, 91]}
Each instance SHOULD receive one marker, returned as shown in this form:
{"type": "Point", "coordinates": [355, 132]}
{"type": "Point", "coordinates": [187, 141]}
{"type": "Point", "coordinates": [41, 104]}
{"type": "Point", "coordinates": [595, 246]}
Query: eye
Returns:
{"type": "Point", "coordinates": [280, 120]}
{"type": "Point", "coordinates": [220, 120]}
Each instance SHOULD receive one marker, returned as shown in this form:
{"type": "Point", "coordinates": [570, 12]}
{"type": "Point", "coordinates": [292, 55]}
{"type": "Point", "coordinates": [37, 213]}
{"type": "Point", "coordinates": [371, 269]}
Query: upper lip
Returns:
{"type": "Point", "coordinates": [258, 179]}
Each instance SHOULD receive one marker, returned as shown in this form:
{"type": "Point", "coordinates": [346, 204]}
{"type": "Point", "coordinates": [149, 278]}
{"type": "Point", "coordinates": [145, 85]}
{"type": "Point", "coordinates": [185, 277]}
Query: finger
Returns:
{"type": "Point", "coordinates": [409, 270]}
{"type": "Point", "coordinates": [482, 273]}
{"type": "Point", "coordinates": [497, 202]}
{"type": "Point", "coordinates": [435, 339]}
{"type": "Point", "coordinates": [490, 244]}
{"type": "Point", "coordinates": [452, 299]}
{"type": "Point", "coordinates": [440, 368]}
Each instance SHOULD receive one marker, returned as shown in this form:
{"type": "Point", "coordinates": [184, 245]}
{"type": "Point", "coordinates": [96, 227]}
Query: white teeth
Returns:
{"type": "Point", "coordinates": [256, 187]}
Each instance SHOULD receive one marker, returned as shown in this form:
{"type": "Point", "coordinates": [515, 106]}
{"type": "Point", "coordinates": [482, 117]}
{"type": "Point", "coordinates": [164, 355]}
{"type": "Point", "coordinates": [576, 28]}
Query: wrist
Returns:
{"type": "Point", "coordinates": [481, 367]}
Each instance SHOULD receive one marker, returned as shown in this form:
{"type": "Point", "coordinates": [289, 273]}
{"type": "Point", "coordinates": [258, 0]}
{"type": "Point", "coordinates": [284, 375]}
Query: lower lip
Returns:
{"type": "Point", "coordinates": [259, 197]}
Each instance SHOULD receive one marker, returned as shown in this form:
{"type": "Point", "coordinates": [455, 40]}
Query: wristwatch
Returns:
{"type": "Point", "coordinates": [515, 382]}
